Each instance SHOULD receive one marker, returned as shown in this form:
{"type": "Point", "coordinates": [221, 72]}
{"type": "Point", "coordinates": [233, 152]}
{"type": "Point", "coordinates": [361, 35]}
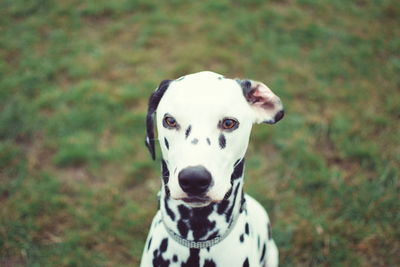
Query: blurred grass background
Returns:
{"type": "Point", "coordinates": [77, 187]}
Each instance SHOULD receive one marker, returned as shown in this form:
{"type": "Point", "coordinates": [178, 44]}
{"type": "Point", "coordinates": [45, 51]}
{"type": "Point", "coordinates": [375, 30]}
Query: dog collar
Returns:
{"type": "Point", "coordinates": [205, 243]}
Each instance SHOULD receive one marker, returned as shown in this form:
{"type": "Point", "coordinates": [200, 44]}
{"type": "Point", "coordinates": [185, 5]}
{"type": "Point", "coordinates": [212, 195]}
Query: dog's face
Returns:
{"type": "Point", "coordinates": [204, 122]}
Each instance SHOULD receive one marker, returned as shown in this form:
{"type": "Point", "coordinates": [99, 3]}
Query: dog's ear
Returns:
{"type": "Point", "coordinates": [266, 105]}
{"type": "Point", "coordinates": [154, 100]}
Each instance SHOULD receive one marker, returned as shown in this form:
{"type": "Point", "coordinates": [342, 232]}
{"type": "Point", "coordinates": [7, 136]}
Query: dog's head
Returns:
{"type": "Point", "coordinates": [204, 122]}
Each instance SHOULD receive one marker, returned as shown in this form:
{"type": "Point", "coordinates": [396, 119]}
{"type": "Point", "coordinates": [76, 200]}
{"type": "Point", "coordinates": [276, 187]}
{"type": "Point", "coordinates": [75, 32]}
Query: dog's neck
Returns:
{"type": "Point", "coordinates": [199, 224]}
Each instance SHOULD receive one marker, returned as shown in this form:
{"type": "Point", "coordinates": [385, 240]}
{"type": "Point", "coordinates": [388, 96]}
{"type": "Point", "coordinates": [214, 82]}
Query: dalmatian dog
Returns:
{"type": "Point", "coordinates": [204, 122]}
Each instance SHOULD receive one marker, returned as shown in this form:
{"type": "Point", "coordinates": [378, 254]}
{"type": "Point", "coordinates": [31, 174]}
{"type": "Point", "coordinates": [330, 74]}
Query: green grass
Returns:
{"type": "Point", "coordinates": [77, 187]}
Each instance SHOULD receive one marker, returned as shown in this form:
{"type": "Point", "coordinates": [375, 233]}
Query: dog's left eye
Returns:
{"type": "Point", "coordinates": [229, 124]}
{"type": "Point", "coordinates": [170, 122]}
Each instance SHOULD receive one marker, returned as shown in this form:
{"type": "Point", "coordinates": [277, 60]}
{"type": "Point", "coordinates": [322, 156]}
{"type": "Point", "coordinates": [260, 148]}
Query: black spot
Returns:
{"type": "Point", "coordinates": [208, 141]}
{"type": "Point", "coordinates": [183, 228]}
{"type": "Point", "coordinates": [175, 258]}
{"type": "Point", "coordinates": [246, 229]}
{"type": "Point", "coordinates": [193, 260]}
{"type": "Point", "coordinates": [149, 244]}
{"type": "Point", "coordinates": [246, 263]}
{"type": "Point", "coordinates": [263, 253]}
{"type": "Point", "coordinates": [228, 194]}
{"type": "Point", "coordinates": [199, 222]}
{"type": "Point", "coordinates": [222, 206]}
{"type": "Point", "coordinates": [238, 169]}
{"type": "Point", "coordinates": [195, 141]}
{"type": "Point", "coordinates": [196, 221]}
{"type": "Point", "coordinates": [230, 210]}
{"type": "Point", "coordinates": [241, 238]}
{"type": "Point", "coordinates": [167, 192]}
{"type": "Point", "coordinates": [213, 235]}
{"type": "Point", "coordinates": [184, 212]}
{"type": "Point", "coordinates": [168, 210]}
{"type": "Point", "coordinates": [158, 259]}
{"type": "Point", "coordinates": [188, 130]}
{"type": "Point", "coordinates": [258, 242]}
{"type": "Point", "coordinates": [269, 231]}
{"type": "Point", "coordinates": [166, 143]}
{"type": "Point", "coordinates": [164, 245]}
{"type": "Point", "coordinates": [209, 263]}
{"type": "Point", "coordinates": [242, 201]}
{"type": "Point", "coordinates": [160, 262]}
{"type": "Point", "coordinates": [165, 172]}
{"type": "Point", "coordinates": [165, 176]}
{"type": "Point", "coordinates": [222, 141]}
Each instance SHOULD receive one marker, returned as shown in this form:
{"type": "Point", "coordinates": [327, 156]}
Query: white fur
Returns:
{"type": "Point", "coordinates": [202, 100]}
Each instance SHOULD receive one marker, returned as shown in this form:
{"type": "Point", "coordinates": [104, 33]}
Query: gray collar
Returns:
{"type": "Point", "coordinates": [205, 243]}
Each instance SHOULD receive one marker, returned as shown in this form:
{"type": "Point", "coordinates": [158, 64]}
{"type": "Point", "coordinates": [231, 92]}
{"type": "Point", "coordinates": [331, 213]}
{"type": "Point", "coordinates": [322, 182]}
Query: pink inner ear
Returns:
{"type": "Point", "coordinates": [262, 96]}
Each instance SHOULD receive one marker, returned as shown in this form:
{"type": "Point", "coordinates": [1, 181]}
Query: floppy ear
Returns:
{"type": "Point", "coordinates": [154, 100]}
{"type": "Point", "coordinates": [266, 105]}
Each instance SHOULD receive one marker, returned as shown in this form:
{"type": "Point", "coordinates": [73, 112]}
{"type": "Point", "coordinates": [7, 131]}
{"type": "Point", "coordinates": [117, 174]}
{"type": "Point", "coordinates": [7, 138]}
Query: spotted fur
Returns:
{"type": "Point", "coordinates": [214, 148]}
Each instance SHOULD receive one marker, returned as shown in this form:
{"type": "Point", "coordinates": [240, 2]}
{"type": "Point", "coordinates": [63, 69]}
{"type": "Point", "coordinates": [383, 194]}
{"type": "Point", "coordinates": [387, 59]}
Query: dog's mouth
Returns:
{"type": "Point", "coordinates": [196, 201]}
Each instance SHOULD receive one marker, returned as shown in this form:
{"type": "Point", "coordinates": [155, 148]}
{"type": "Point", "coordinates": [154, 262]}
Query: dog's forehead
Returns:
{"type": "Point", "coordinates": [203, 91]}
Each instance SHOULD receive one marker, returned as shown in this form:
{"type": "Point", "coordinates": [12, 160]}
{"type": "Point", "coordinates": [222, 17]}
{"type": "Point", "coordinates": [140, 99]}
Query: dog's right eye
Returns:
{"type": "Point", "coordinates": [170, 122]}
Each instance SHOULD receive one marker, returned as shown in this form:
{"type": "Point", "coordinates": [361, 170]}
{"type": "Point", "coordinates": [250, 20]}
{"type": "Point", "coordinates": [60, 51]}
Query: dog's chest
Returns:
{"type": "Point", "coordinates": [242, 247]}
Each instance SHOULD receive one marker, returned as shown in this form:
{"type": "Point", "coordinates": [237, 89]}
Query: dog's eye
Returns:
{"type": "Point", "coordinates": [170, 122]}
{"type": "Point", "coordinates": [229, 124]}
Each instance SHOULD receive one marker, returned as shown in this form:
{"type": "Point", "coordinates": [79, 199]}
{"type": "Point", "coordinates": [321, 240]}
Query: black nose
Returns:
{"type": "Point", "coordinates": [194, 180]}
